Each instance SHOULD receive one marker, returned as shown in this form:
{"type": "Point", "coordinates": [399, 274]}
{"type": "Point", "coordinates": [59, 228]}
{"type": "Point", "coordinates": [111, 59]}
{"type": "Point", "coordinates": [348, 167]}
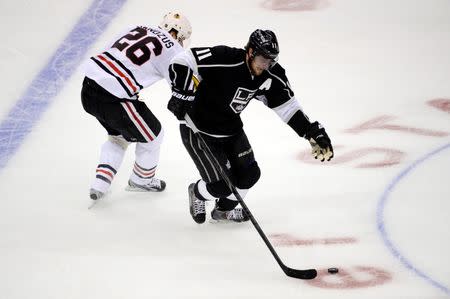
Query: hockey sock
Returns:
{"type": "Point", "coordinates": [226, 204]}
{"type": "Point", "coordinates": [111, 157]}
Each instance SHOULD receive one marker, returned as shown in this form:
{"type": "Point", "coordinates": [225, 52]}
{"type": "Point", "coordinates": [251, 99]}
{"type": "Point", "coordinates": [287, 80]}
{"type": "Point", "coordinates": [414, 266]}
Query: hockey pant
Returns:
{"type": "Point", "coordinates": [125, 121]}
{"type": "Point", "coordinates": [234, 154]}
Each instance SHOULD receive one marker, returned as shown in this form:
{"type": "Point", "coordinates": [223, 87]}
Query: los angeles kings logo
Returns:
{"type": "Point", "coordinates": [243, 96]}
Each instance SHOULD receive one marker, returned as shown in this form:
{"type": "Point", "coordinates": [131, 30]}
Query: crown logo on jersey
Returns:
{"type": "Point", "coordinates": [241, 99]}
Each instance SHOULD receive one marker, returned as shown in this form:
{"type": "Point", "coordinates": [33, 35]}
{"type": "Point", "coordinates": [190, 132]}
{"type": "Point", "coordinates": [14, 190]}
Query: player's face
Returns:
{"type": "Point", "coordinates": [175, 37]}
{"type": "Point", "coordinates": [259, 64]}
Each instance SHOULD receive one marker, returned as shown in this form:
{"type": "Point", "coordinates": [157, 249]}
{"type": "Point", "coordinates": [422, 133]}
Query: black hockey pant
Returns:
{"type": "Point", "coordinates": [234, 154]}
{"type": "Point", "coordinates": [130, 118]}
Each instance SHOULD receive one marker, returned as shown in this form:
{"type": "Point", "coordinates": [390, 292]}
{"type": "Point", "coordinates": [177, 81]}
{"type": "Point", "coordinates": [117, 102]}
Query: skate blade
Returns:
{"type": "Point", "coordinates": [225, 221]}
{"type": "Point", "coordinates": [137, 189]}
{"type": "Point", "coordinates": [93, 204]}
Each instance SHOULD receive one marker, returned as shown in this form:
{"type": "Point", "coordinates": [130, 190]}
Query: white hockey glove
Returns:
{"type": "Point", "coordinates": [320, 142]}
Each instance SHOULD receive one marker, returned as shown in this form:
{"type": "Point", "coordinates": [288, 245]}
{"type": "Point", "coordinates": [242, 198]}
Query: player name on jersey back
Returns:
{"type": "Point", "coordinates": [136, 60]}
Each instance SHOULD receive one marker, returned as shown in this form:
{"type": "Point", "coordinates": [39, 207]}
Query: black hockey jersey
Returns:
{"type": "Point", "coordinates": [227, 86]}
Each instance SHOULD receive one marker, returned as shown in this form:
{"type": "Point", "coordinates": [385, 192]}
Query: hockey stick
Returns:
{"type": "Point", "coordinates": [301, 274]}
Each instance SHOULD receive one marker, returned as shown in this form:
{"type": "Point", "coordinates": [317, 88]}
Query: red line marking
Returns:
{"type": "Point", "coordinates": [441, 104]}
{"type": "Point", "coordinates": [380, 123]}
{"type": "Point", "coordinates": [356, 278]}
{"type": "Point", "coordinates": [295, 5]}
{"type": "Point", "coordinates": [386, 157]}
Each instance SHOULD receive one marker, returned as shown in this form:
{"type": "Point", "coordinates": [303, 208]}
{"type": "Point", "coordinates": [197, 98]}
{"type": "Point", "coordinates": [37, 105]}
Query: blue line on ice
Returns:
{"type": "Point", "coordinates": [380, 218]}
{"type": "Point", "coordinates": [51, 79]}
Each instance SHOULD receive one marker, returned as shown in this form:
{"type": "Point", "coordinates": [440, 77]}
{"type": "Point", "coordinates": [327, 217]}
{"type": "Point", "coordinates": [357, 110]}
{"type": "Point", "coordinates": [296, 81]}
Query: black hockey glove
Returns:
{"type": "Point", "coordinates": [320, 142]}
{"type": "Point", "coordinates": [180, 102]}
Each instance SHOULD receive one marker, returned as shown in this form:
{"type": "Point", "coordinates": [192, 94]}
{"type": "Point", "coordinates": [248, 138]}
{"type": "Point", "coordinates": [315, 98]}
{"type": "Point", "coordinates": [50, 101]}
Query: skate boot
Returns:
{"type": "Point", "coordinates": [235, 215]}
{"type": "Point", "coordinates": [95, 194]}
{"type": "Point", "coordinates": [196, 205]}
{"type": "Point", "coordinates": [154, 185]}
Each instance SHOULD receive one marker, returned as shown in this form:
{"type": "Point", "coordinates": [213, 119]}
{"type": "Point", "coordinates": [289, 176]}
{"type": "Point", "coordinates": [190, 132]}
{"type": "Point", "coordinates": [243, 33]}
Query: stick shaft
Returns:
{"type": "Point", "coordinates": [303, 274]}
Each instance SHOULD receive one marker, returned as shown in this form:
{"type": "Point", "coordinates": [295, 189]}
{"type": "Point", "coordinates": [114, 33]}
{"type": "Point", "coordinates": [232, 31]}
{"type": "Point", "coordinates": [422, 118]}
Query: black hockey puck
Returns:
{"type": "Point", "coordinates": [333, 270]}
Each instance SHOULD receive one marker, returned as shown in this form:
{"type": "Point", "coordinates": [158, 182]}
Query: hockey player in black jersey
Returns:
{"type": "Point", "coordinates": [213, 85]}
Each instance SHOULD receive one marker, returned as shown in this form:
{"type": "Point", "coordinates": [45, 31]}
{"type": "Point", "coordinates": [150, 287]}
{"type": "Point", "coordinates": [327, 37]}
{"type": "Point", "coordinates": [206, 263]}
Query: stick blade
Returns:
{"type": "Point", "coordinates": [300, 274]}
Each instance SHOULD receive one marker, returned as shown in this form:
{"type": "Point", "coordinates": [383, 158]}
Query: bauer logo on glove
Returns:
{"type": "Point", "coordinates": [183, 95]}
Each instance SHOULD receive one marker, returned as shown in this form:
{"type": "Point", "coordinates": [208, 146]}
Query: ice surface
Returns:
{"type": "Point", "coordinates": [349, 62]}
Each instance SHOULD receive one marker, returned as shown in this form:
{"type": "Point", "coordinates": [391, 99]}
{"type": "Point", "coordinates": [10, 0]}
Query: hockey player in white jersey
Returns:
{"type": "Point", "coordinates": [113, 79]}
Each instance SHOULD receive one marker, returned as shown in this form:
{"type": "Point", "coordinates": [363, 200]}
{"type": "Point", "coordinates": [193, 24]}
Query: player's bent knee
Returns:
{"type": "Point", "coordinates": [154, 144]}
{"type": "Point", "coordinates": [159, 138]}
{"type": "Point", "coordinates": [119, 140]}
{"type": "Point", "coordinates": [248, 177]}
{"type": "Point", "coordinates": [218, 189]}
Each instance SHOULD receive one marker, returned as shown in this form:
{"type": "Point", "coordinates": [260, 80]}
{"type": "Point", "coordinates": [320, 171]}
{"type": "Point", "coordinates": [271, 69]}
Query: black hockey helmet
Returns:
{"type": "Point", "coordinates": [264, 43]}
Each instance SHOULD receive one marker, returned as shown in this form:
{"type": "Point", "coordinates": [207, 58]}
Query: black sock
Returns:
{"type": "Point", "coordinates": [225, 204]}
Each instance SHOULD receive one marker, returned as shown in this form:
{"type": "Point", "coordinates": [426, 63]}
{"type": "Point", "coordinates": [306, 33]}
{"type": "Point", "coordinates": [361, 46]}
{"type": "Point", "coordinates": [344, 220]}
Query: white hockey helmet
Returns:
{"type": "Point", "coordinates": [179, 23]}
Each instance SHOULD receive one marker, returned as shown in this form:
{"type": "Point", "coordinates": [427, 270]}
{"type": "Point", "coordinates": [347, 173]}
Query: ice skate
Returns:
{"type": "Point", "coordinates": [235, 215]}
{"type": "Point", "coordinates": [196, 206]}
{"type": "Point", "coordinates": [95, 196]}
{"type": "Point", "coordinates": [154, 185]}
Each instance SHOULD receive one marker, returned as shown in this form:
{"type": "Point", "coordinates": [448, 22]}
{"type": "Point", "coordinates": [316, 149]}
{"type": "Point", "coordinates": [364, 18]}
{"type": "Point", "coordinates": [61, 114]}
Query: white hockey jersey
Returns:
{"type": "Point", "coordinates": [137, 59]}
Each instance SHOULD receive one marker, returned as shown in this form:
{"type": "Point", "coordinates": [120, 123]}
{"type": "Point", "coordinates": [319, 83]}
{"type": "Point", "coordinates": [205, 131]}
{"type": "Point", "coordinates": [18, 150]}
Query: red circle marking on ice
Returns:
{"type": "Point", "coordinates": [371, 157]}
{"type": "Point", "coordinates": [357, 277]}
{"type": "Point", "coordinates": [295, 5]}
{"type": "Point", "coordinates": [441, 104]}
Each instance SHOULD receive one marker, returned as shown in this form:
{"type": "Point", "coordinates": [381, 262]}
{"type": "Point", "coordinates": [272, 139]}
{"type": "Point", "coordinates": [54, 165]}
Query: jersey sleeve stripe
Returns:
{"type": "Point", "coordinates": [124, 68]}
{"type": "Point", "coordinates": [278, 78]}
{"type": "Point", "coordinates": [188, 79]}
{"type": "Point", "coordinates": [109, 72]}
{"type": "Point", "coordinates": [220, 65]}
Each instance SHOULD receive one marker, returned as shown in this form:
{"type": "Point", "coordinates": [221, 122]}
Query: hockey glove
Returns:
{"type": "Point", "coordinates": [320, 142]}
{"type": "Point", "coordinates": [180, 102]}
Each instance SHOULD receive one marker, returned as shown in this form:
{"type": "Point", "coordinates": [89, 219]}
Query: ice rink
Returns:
{"type": "Point", "coordinates": [375, 73]}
